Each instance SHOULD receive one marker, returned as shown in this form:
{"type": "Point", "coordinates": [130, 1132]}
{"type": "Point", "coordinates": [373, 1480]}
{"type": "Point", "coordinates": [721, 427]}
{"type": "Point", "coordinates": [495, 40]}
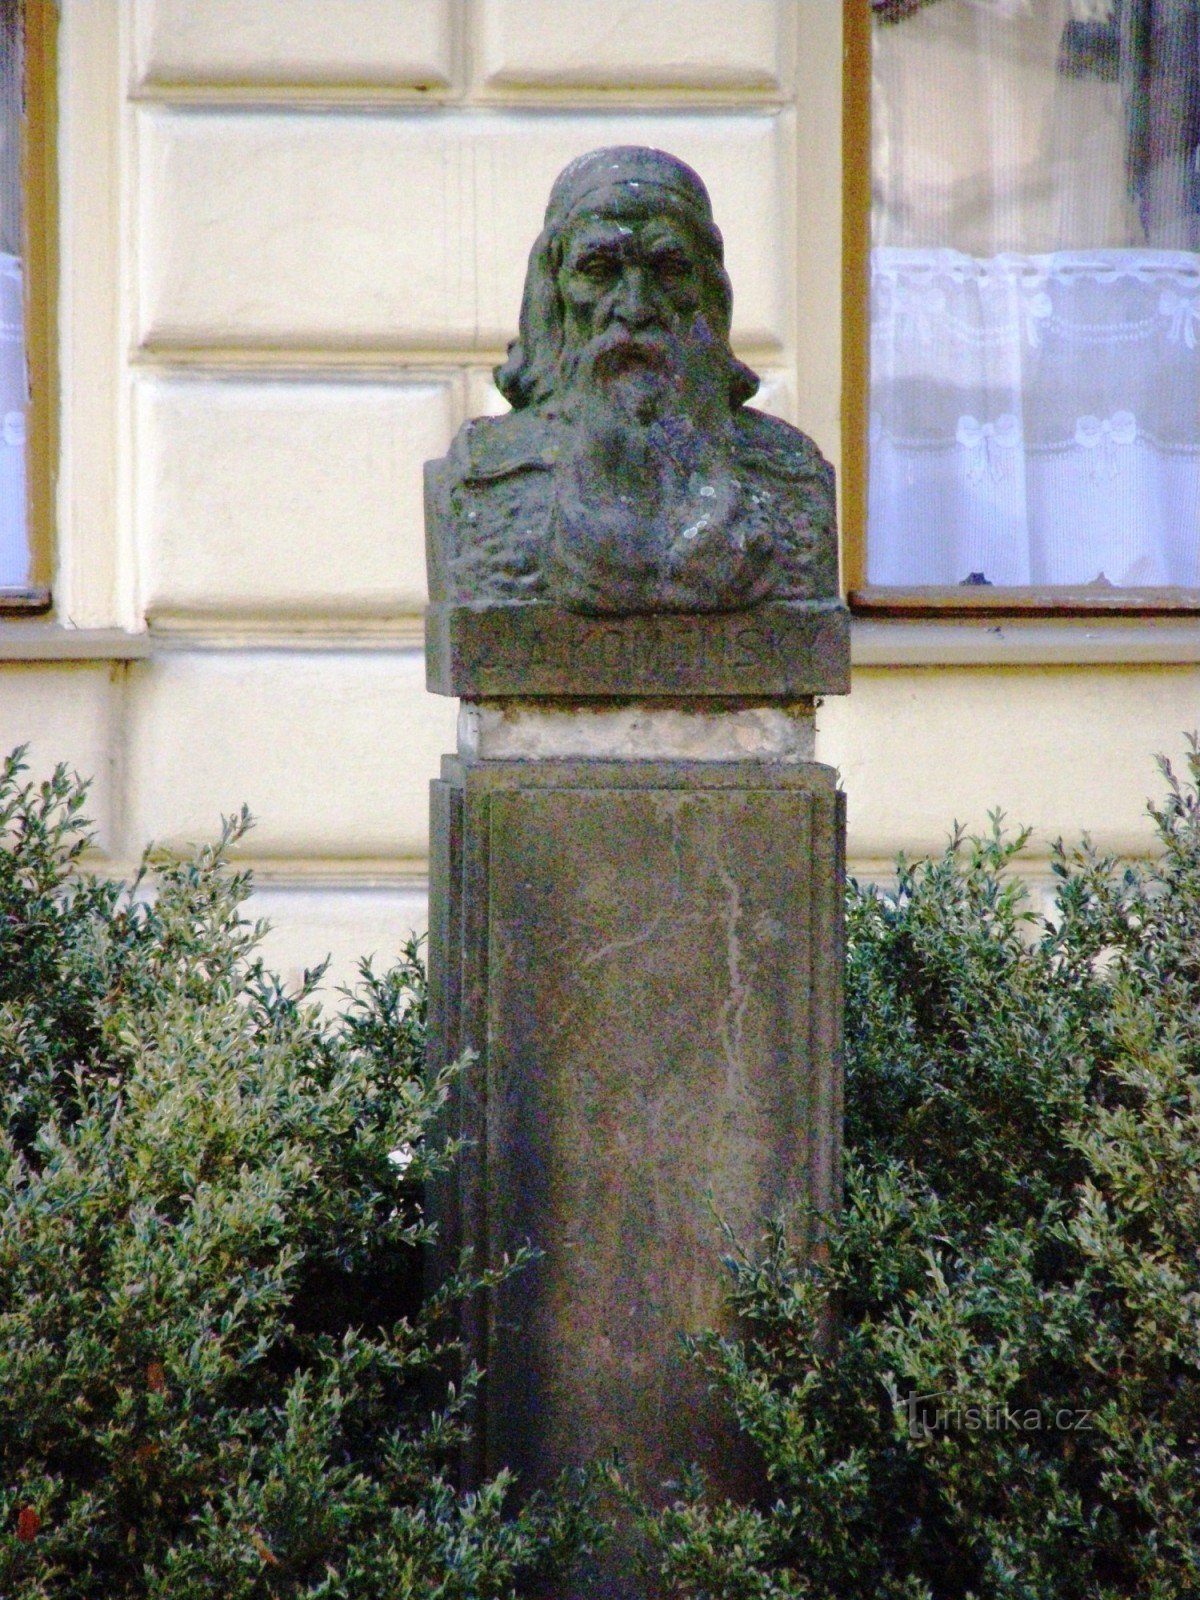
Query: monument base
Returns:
{"type": "Point", "coordinates": [783, 649]}
{"type": "Point", "coordinates": [645, 958]}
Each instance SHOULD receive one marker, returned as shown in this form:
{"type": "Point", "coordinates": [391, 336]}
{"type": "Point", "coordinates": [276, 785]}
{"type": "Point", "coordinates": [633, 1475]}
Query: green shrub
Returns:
{"type": "Point", "coordinates": [1020, 1240]}
{"type": "Point", "coordinates": [218, 1378]}
{"type": "Point", "coordinates": [216, 1375]}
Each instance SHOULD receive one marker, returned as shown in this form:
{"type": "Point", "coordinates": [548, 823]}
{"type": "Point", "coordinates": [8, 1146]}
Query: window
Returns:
{"type": "Point", "coordinates": [1033, 428]}
{"type": "Point", "coordinates": [26, 275]}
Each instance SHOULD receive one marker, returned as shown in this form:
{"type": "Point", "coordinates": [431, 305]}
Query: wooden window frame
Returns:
{"type": "Point", "coordinates": [39, 226]}
{"type": "Point", "coordinates": [933, 600]}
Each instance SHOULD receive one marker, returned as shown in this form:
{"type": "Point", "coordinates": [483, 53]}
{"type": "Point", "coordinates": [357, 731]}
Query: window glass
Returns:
{"type": "Point", "coordinates": [1035, 310]}
{"type": "Point", "coordinates": [14, 389]}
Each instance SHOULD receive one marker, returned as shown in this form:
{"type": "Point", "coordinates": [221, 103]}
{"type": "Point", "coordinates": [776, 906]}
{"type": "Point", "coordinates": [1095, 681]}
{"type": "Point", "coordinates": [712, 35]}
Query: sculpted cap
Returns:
{"type": "Point", "coordinates": [629, 166]}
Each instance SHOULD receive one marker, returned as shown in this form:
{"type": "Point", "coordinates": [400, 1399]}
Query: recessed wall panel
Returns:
{"type": "Point", "coordinates": [332, 750]}
{"type": "Point", "coordinates": [408, 231]}
{"type": "Point", "coordinates": [650, 44]}
{"type": "Point", "coordinates": [294, 494]}
{"type": "Point", "coordinates": [311, 42]}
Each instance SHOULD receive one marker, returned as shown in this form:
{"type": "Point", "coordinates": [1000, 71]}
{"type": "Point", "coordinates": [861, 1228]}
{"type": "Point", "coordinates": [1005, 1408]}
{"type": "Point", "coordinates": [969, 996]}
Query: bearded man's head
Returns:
{"type": "Point", "coordinates": [626, 291]}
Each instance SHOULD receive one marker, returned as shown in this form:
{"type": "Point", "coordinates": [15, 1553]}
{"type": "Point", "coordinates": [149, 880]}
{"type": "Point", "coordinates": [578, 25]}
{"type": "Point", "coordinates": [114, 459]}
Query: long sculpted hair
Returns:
{"type": "Point", "coordinates": [530, 376]}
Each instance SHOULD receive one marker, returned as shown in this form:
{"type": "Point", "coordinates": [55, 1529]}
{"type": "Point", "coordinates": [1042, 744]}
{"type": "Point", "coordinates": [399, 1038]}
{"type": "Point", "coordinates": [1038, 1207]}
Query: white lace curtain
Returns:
{"type": "Point", "coordinates": [1035, 419]}
{"type": "Point", "coordinates": [1035, 349]}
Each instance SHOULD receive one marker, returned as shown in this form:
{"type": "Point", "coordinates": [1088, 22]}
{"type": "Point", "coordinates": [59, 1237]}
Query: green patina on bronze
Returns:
{"type": "Point", "coordinates": [631, 477]}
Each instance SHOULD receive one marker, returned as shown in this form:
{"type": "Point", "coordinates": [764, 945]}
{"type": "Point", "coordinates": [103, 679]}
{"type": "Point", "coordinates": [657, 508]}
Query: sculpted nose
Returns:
{"type": "Point", "coordinates": [634, 301]}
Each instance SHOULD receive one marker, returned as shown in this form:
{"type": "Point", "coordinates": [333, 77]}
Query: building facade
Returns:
{"type": "Point", "coordinates": [291, 242]}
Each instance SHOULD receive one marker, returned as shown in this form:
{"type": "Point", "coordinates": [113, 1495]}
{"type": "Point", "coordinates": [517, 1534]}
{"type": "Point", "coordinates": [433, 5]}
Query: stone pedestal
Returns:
{"type": "Point", "coordinates": [643, 952]}
{"type": "Point", "coordinates": [637, 866]}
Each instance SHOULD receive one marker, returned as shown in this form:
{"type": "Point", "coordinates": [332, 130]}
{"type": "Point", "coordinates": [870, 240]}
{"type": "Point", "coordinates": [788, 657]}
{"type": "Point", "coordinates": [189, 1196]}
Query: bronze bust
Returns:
{"type": "Point", "coordinates": [630, 476]}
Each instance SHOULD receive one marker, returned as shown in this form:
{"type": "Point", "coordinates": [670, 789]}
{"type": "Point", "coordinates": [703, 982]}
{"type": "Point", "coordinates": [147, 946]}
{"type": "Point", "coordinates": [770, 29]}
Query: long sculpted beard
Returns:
{"type": "Point", "coordinates": [636, 376]}
{"type": "Point", "coordinates": [648, 512]}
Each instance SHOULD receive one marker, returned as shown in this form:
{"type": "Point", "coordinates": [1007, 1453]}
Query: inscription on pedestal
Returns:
{"type": "Point", "coordinates": [782, 650]}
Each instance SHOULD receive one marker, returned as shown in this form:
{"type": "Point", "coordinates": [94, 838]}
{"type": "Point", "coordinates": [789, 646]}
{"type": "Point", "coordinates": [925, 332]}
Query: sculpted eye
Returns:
{"type": "Point", "coordinates": [671, 264]}
{"type": "Point", "coordinates": [596, 265]}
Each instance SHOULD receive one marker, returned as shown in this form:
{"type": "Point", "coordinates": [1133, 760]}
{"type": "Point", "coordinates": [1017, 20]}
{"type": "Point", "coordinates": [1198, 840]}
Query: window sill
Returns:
{"type": "Point", "coordinates": [50, 641]}
{"type": "Point", "coordinates": [1024, 641]}
{"type": "Point", "coordinates": [24, 602]}
{"type": "Point", "coordinates": [968, 600]}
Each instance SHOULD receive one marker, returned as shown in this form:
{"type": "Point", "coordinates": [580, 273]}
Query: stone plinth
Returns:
{"type": "Point", "coordinates": [660, 730]}
{"type": "Point", "coordinates": [645, 956]}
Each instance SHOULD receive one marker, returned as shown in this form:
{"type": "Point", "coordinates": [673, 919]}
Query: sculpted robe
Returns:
{"type": "Point", "coordinates": [512, 517]}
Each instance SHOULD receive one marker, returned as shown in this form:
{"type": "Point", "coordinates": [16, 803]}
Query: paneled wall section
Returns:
{"type": "Point", "coordinates": [330, 208]}
{"type": "Point", "coordinates": [294, 234]}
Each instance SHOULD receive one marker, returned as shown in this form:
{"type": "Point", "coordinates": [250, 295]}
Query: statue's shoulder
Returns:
{"type": "Point", "coordinates": [487, 507]}
{"type": "Point", "coordinates": [796, 496]}
{"type": "Point", "coordinates": [774, 446]}
{"type": "Point", "coordinates": [494, 447]}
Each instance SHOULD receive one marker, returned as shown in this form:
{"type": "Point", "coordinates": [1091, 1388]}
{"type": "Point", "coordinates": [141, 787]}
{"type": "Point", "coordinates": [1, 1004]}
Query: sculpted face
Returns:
{"type": "Point", "coordinates": [636, 273]}
{"type": "Point", "coordinates": [635, 286]}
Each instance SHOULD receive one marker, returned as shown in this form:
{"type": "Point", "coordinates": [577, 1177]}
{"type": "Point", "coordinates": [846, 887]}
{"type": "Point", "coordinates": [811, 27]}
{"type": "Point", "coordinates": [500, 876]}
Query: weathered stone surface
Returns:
{"type": "Point", "coordinates": [782, 651]}
{"type": "Point", "coordinates": [646, 957]}
{"type": "Point", "coordinates": [630, 730]}
{"type": "Point", "coordinates": [630, 476]}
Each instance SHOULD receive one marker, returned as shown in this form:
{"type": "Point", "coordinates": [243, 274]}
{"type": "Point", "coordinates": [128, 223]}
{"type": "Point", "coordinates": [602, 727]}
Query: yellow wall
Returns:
{"type": "Point", "coordinates": [293, 240]}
